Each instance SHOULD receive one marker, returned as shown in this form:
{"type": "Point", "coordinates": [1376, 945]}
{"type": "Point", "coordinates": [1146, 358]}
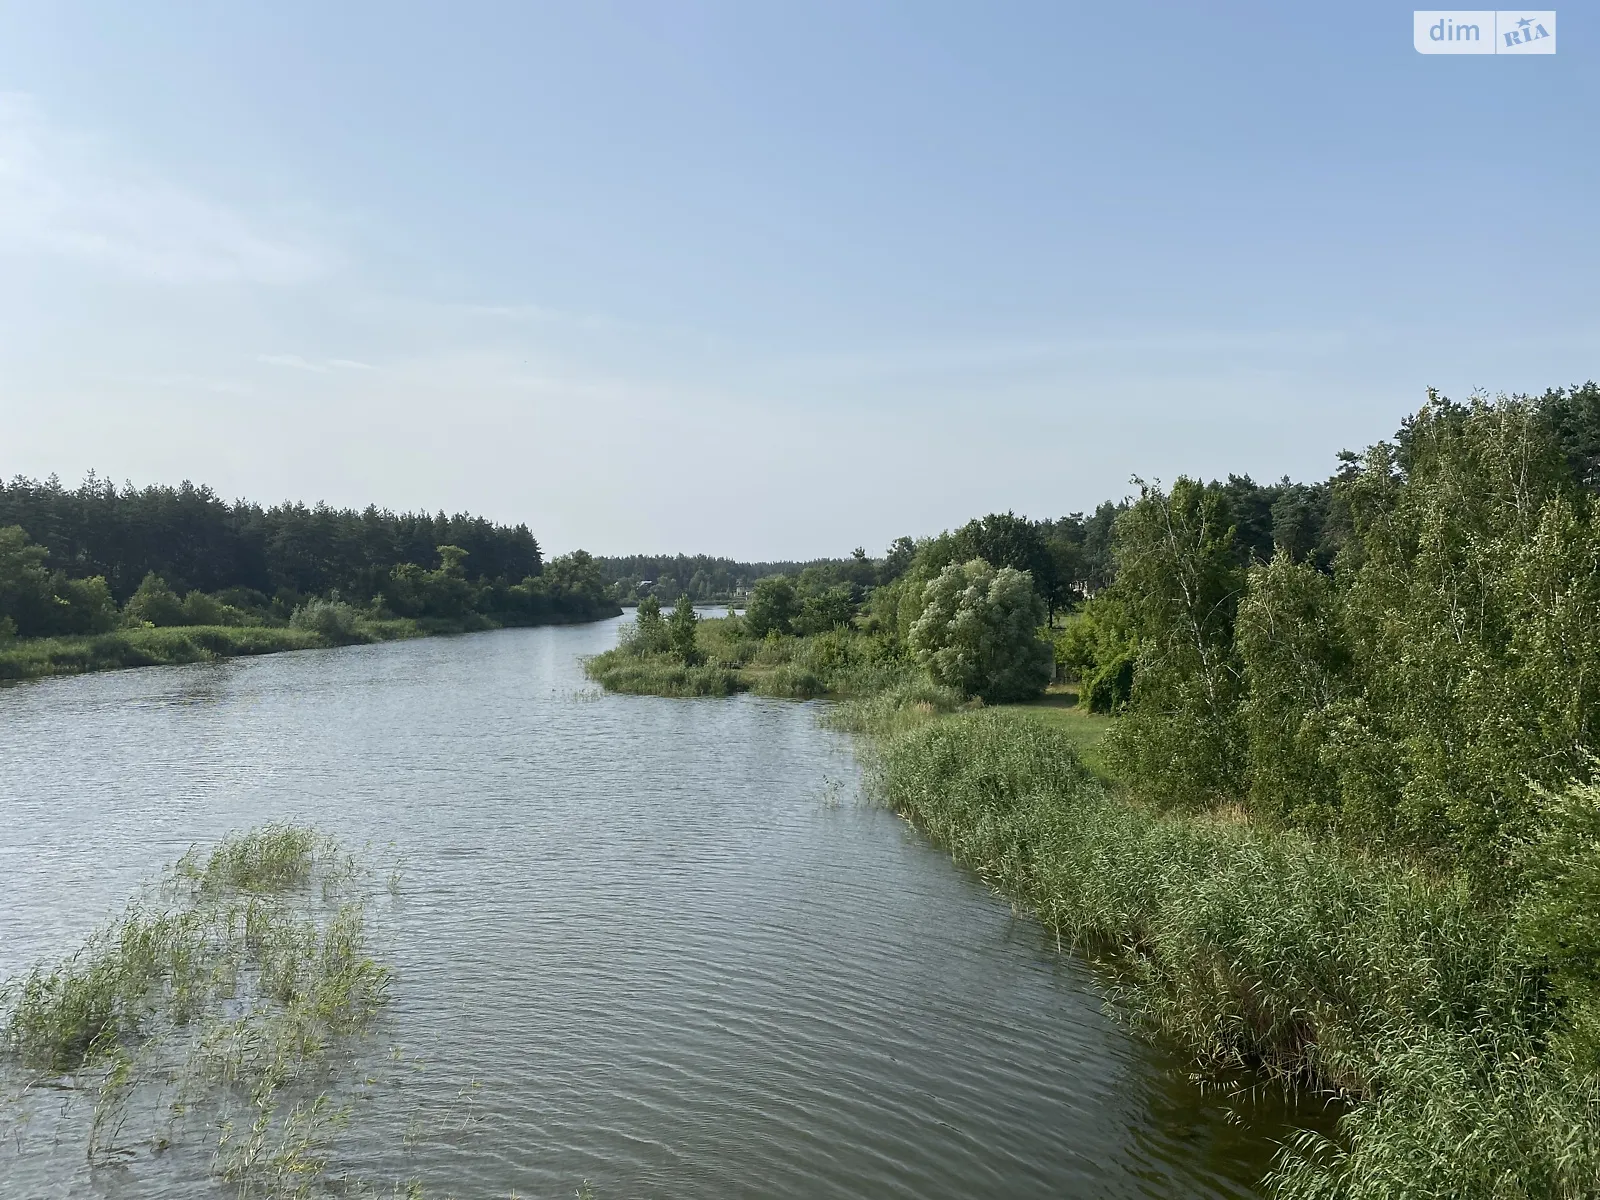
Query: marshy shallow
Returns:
{"type": "Point", "coordinates": [652, 944]}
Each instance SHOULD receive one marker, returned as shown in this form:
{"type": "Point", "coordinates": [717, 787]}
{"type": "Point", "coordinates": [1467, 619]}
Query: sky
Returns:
{"type": "Point", "coordinates": [769, 280]}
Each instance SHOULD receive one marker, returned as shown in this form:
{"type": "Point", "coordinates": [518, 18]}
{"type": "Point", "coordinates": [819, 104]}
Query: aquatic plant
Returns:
{"type": "Point", "coordinates": [226, 987]}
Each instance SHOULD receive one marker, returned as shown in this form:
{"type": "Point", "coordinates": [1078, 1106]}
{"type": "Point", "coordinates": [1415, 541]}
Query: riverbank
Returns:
{"type": "Point", "coordinates": [1385, 986]}
{"type": "Point", "coordinates": [35, 658]}
{"type": "Point", "coordinates": [1393, 989]}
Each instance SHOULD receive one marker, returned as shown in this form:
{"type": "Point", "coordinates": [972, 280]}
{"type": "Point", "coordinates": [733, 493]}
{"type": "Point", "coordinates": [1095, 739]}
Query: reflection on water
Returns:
{"type": "Point", "coordinates": [675, 955]}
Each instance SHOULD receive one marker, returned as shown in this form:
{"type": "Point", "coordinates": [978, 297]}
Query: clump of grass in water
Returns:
{"type": "Point", "coordinates": [237, 974]}
{"type": "Point", "coordinates": [269, 860]}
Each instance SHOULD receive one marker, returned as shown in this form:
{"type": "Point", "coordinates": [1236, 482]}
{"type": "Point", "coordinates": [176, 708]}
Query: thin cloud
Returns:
{"type": "Point", "coordinates": [289, 360]}
{"type": "Point", "coordinates": [1002, 354]}
{"type": "Point", "coordinates": [63, 194]}
{"type": "Point", "coordinates": [295, 362]}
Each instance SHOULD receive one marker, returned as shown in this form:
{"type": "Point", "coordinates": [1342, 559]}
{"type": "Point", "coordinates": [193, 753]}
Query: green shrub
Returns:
{"type": "Point", "coordinates": [85, 606]}
{"type": "Point", "coordinates": [154, 603]}
{"type": "Point", "coordinates": [681, 633]}
{"type": "Point", "coordinates": [790, 681]}
{"type": "Point", "coordinates": [829, 609]}
{"type": "Point", "coordinates": [37, 602]}
{"type": "Point", "coordinates": [649, 632]}
{"type": "Point", "coordinates": [201, 609]}
{"type": "Point", "coordinates": [979, 633]}
{"type": "Point", "coordinates": [334, 621]}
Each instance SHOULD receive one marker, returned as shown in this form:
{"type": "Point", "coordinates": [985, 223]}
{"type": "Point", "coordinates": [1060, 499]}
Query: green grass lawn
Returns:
{"type": "Point", "coordinates": [1059, 709]}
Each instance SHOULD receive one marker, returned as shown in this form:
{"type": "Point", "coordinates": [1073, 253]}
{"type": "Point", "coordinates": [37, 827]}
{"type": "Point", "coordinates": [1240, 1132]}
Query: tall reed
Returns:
{"type": "Point", "coordinates": [1362, 975]}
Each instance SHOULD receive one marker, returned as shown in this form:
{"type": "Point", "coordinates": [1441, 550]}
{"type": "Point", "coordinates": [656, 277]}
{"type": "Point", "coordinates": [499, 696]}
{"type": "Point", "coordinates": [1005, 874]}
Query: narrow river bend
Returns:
{"type": "Point", "coordinates": [677, 955]}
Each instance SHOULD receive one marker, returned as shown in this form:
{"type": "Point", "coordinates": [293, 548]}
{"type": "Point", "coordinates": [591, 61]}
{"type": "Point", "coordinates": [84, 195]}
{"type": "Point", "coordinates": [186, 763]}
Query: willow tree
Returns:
{"type": "Point", "coordinates": [979, 633]}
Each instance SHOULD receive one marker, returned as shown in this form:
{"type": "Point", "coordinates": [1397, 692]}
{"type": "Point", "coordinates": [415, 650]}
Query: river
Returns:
{"type": "Point", "coordinates": [672, 949]}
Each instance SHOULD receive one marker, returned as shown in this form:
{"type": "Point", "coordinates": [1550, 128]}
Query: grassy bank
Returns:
{"type": "Point", "coordinates": [35, 657]}
{"type": "Point", "coordinates": [1060, 708]}
{"type": "Point", "coordinates": [1388, 985]}
{"type": "Point", "coordinates": [32, 658]}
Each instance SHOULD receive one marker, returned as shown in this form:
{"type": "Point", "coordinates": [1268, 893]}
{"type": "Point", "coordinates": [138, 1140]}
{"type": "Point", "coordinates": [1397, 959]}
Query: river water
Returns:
{"type": "Point", "coordinates": [658, 945]}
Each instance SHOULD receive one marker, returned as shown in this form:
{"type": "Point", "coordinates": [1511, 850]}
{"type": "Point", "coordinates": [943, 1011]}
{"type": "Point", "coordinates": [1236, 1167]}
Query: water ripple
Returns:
{"type": "Point", "coordinates": [674, 969]}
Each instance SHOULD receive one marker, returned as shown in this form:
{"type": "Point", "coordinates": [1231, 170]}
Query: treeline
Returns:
{"type": "Point", "coordinates": [704, 579]}
{"type": "Point", "coordinates": [96, 558]}
{"type": "Point", "coordinates": [1068, 558]}
{"type": "Point", "coordinates": [1416, 676]}
{"type": "Point", "coordinates": [195, 540]}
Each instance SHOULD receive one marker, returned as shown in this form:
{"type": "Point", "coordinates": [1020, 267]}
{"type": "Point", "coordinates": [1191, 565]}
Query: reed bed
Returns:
{"type": "Point", "coordinates": [1386, 985]}
{"type": "Point", "coordinates": [660, 675]}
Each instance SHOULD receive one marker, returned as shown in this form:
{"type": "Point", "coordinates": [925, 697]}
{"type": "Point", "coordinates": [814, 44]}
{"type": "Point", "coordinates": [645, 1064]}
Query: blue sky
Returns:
{"type": "Point", "coordinates": [769, 280]}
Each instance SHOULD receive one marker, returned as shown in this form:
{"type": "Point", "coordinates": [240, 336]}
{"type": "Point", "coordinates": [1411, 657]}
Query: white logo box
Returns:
{"type": "Point", "coordinates": [1484, 31]}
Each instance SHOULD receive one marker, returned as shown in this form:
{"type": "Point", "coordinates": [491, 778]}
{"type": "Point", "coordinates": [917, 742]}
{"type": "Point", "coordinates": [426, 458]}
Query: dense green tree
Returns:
{"type": "Point", "coordinates": [1250, 507]}
{"type": "Point", "coordinates": [979, 633]}
{"type": "Point", "coordinates": [772, 607]}
{"type": "Point", "coordinates": [1097, 647]}
{"type": "Point", "coordinates": [573, 585]}
{"type": "Point", "coordinates": [447, 591]}
{"type": "Point", "coordinates": [681, 632]}
{"type": "Point", "coordinates": [1469, 601]}
{"type": "Point", "coordinates": [1007, 540]}
{"type": "Point", "coordinates": [1417, 662]}
{"type": "Point", "coordinates": [828, 608]}
{"type": "Point", "coordinates": [1573, 418]}
{"type": "Point", "coordinates": [896, 560]}
{"type": "Point", "coordinates": [1180, 580]}
{"type": "Point", "coordinates": [197, 541]}
{"type": "Point", "coordinates": [26, 598]}
{"type": "Point", "coordinates": [1291, 642]}
{"type": "Point", "coordinates": [1081, 553]}
{"type": "Point", "coordinates": [1302, 526]}
{"type": "Point", "coordinates": [1097, 565]}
